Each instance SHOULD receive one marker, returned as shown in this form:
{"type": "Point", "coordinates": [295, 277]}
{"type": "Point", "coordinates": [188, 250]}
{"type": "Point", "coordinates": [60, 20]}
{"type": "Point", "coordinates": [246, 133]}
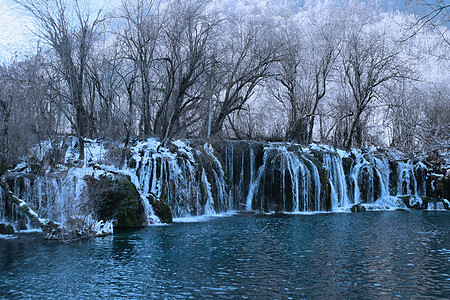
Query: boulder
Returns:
{"type": "Point", "coordinates": [6, 228]}
{"type": "Point", "coordinates": [358, 208]}
{"type": "Point", "coordinates": [114, 197]}
{"type": "Point", "coordinates": [161, 209]}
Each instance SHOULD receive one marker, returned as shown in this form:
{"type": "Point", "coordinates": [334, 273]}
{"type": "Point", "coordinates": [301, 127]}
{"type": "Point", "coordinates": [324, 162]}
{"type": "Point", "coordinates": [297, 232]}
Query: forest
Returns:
{"type": "Point", "coordinates": [343, 73]}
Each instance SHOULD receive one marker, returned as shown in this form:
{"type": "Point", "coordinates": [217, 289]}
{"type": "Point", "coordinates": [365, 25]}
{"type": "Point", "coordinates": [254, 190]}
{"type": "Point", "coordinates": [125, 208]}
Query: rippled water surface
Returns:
{"type": "Point", "coordinates": [361, 255]}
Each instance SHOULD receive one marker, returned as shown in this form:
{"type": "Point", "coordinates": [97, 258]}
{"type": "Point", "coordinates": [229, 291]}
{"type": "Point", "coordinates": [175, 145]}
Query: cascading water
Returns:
{"type": "Point", "coordinates": [317, 184]}
{"type": "Point", "coordinates": [191, 181]}
{"type": "Point", "coordinates": [382, 169]}
{"type": "Point", "coordinates": [407, 184]}
{"type": "Point", "coordinates": [57, 197]}
{"type": "Point", "coordinates": [336, 179]}
{"type": "Point", "coordinates": [254, 184]}
{"type": "Point", "coordinates": [287, 180]}
{"type": "Point", "coordinates": [234, 175]}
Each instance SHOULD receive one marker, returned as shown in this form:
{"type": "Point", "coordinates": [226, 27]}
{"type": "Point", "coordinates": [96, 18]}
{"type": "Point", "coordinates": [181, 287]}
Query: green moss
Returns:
{"type": "Point", "coordinates": [115, 198]}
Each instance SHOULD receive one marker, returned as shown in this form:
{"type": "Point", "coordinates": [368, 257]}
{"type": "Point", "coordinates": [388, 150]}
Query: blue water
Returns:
{"type": "Point", "coordinates": [361, 255]}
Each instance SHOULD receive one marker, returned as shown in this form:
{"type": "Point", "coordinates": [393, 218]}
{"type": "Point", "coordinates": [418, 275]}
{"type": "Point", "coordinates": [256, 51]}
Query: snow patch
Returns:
{"type": "Point", "coordinates": [415, 200]}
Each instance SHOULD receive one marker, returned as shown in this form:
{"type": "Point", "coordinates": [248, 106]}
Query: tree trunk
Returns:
{"type": "Point", "coordinates": [355, 131]}
{"type": "Point", "coordinates": [81, 129]}
{"type": "Point", "coordinates": [4, 139]}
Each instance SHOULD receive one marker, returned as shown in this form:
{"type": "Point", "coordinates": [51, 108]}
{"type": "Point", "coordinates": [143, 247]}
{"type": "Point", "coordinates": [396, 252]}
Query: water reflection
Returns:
{"type": "Point", "coordinates": [365, 255]}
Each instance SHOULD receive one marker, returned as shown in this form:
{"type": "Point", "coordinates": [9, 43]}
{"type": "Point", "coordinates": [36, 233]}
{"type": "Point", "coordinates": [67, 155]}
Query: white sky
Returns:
{"type": "Point", "coordinates": [14, 35]}
{"type": "Point", "coordinates": [17, 40]}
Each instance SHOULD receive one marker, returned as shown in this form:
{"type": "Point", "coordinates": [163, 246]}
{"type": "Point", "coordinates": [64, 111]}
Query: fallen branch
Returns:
{"type": "Point", "coordinates": [76, 228]}
{"type": "Point", "coordinates": [22, 205]}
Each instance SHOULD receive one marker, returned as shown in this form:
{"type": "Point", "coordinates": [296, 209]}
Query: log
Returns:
{"type": "Point", "coordinates": [75, 229]}
{"type": "Point", "coordinates": [23, 206]}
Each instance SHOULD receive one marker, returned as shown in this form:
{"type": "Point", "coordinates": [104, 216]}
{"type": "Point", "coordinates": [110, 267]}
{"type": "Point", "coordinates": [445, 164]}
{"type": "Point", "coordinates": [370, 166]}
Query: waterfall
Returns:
{"type": "Point", "coordinates": [191, 180]}
{"type": "Point", "coordinates": [407, 184]}
{"type": "Point", "coordinates": [287, 180]}
{"type": "Point", "coordinates": [57, 197]}
{"type": "Point", "coordinates": [255, 183]}
{"type": "Point", "coordinates": [383, 172]}
{"type": "Point", "coordinates": [337, 181]}
{"type": "Point", "coordinates": [317, 184]}
{"type": "Point", "coordinates": [195, 179]}
{"type": "Point", "coordinates": [209, 206]}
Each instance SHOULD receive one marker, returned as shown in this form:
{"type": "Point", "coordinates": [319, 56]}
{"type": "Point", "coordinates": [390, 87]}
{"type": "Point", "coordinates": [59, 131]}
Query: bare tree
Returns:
{"type": "Point", "coordinates": [184, 59]}
{"type": "Point", "coordinates": [139, 36]}
{"type": "Point", "coordinates": [69, 28]}
{"type": "Point", "coordinates": [104, 83]}
{"type": "Point", "coordinates": [304, 70]}
{"type": "Point", "coordinates": [246, 54]}
{"type": "Point", "coordinates": [5, 113]}
{"type": "Point", "coordinates": [370, 57]}
{"type": "Point", "coordinates": [27, 116]}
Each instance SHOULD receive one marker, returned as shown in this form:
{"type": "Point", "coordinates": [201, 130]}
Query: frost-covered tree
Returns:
{"type": "Point", "coordinates": [246, 52]}
{"type": "Point", "coordinates": [68, 27]}
{"type": "Point", "coordinates": [369, 58]}
{"type": "Point", "coordinates": [139, 34]}
{"type": "Point", "coordinates": [310, 49]}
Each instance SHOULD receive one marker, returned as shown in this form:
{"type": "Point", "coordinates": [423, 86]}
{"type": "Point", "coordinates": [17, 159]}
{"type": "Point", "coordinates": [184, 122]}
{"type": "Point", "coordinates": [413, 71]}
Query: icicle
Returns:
{"type": "Point", "coordinates": [359, 163]}
{"type": "Point", "coordinates": [209, 206]}
{"type": "Point", "coordinates": [382, 169]}
{"type": "Point", "coordinates": [317, 184]}
{"type": "Point", "coordinates": [254, 185]}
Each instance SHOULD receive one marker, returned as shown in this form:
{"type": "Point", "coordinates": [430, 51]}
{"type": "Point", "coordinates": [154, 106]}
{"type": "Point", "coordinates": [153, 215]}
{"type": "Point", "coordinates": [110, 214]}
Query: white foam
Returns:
{"type": "Point", "coordinates": [203, 218]}
{"type": "Point", "coordinates": [7, 236]}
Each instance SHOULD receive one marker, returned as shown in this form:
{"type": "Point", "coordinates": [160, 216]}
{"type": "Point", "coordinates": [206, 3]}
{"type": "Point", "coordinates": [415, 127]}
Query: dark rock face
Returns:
{"type": "Point", "coordinates": [115, 198]}
{"type": "Point", "coordinates": [438, 186]}
{"type": "Point", "coordinates": [358, 208]}
{"type": "Point", "coordinates": [420, 203]}
{"type": "Point", "coordinates": [241, 161]}
{"type": "Point", "coordinates": [6, 228]}
{"type": "Point", "coordinates": [161, 209]}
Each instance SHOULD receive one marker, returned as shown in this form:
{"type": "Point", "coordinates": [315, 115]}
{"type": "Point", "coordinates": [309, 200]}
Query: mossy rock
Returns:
{"type": "Point", "coordinates": [6, 228]}
{"type": "Point", "coordinates": [358, 208]}
{"type": "Point", "coordinates": [115, 198]}
{"type": "Point", "coordinates": [161, 209]}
